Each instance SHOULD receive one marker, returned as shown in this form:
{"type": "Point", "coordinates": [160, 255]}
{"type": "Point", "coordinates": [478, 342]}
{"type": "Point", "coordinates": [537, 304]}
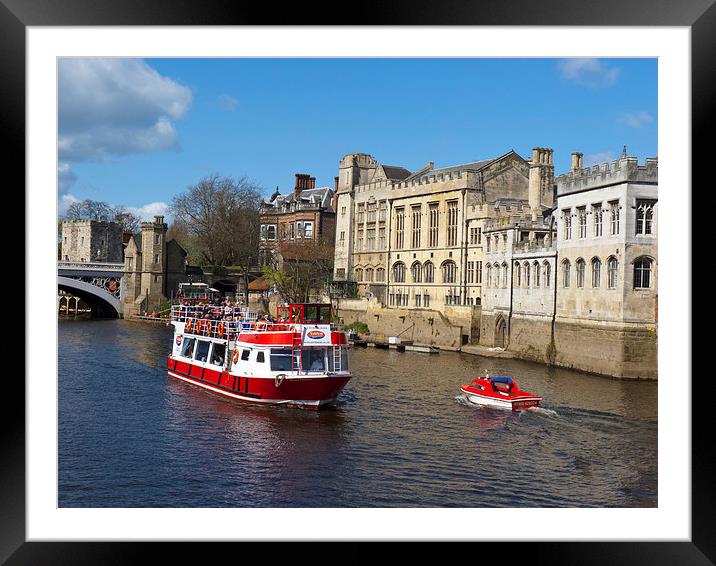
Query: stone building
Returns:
{"type": "Point", "coordinates": [91, 241]}
{"type": "Point", "coordinates": [153, 268]}
{"type": "Point", "coordinates": [414, 240]}
{"type": "Point", "coordinates": [596, 308]}
{"type": "Point", "coordinates": [304, 216]}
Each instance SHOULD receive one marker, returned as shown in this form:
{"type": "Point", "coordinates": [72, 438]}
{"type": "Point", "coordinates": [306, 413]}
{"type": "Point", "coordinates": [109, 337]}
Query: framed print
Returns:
{"type": "Point", "coordinates": [142, 110]}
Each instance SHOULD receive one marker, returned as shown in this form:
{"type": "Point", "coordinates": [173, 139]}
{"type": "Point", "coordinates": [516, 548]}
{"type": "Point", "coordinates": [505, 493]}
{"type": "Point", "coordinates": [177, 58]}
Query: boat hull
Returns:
{"type": "Point", "coordinates": [513, 403]}
{"type": "Point", "coordinates": [305, 391]}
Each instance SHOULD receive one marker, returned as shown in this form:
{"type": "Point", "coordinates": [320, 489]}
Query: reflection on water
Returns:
{"type": "Point", "coordinates": [400, 435]}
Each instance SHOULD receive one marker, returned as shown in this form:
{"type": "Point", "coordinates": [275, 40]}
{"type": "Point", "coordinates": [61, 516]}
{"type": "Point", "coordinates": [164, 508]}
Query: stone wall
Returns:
{"type": "Point", "coordinates": [422, 326]}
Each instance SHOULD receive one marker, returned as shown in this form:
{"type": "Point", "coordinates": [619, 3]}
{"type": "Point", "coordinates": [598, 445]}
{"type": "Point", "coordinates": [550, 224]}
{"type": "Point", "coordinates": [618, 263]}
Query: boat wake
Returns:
{"type": "Point", "coordinates": [463, 400]}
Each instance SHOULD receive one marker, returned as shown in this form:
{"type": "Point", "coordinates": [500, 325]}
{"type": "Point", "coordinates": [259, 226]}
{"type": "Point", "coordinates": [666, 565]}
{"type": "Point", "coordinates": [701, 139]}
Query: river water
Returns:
{"type": "Point", "coordinates": [400, 435]}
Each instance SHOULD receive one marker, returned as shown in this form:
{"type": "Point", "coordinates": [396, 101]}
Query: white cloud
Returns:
{"type": "Point", "coordinates": [64, 202]}
{"type": "Point", "coordinates": [599, 158]}
{"type": "Point", "coordinates": [114, 107]}
{"type": "Point", "coordinates": [636, 119]}
{"type": "Point", "coordinates": [592, 73]}
{"type": "Point", "coordinates": [149, 211]}
{"type": "Point", "coordinates": [228, 102]}
{"type": "Point", "coordinates": [65, 178]}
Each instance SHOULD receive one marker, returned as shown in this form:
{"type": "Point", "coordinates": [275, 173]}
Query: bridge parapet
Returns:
{"type": "Point", "coordinates": [90, 266]}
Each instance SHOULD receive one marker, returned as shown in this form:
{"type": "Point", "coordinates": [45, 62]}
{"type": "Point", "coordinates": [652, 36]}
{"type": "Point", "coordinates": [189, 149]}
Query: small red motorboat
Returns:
{"type": "Point", "coordinates": [499, 391]}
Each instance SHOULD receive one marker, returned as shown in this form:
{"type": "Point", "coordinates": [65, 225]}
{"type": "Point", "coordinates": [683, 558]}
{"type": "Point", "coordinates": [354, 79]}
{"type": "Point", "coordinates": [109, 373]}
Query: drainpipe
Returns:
{"type": "Point", "coordinates": [512, 287]}
{"type": "Point", "coordinates": [463, 259]}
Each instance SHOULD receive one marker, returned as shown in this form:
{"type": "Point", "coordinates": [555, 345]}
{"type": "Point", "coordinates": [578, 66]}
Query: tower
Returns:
{"type": "Point", "coordinates": [541, 180]}
{"type": "Point", "coordinates": [154, 260]}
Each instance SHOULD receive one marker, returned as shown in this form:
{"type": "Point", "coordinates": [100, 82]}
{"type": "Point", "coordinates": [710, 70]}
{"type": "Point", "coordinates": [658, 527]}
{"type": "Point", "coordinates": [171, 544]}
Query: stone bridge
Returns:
{"type": "Point", "coordinates": [99, 284]}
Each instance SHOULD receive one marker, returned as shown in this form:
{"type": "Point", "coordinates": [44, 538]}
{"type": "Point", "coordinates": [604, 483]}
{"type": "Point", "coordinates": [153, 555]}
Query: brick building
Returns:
{"type": "Point", "coordinates": [306, 215]}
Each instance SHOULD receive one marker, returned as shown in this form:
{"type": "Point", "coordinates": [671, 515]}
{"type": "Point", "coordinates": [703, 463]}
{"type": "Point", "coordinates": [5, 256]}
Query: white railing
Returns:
{"type": "Point", "coordinates": [90, 266]}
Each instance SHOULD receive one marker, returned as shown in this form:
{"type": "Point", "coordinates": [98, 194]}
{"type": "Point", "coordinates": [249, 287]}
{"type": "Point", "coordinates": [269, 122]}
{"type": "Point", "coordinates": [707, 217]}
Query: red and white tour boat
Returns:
{"type": "Point", "coordinates": [300, 360]}
{"type": "Point", "coordinates": [499, 391]}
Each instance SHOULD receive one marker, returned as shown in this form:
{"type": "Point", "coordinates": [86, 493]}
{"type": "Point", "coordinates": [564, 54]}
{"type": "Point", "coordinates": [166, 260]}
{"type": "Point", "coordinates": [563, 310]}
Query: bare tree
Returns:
{"type": "Point", "coordinates": [218, 218]}
{"type": "Point", "coordinates": [98, 210]}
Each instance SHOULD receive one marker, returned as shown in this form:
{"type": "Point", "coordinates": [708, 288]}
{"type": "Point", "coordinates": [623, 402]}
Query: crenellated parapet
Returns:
{"type": "Point", "coordinates": [624, 170]}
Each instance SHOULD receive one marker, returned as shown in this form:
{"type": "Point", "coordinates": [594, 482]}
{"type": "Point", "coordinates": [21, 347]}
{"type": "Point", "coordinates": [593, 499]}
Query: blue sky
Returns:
{"type": "Point", "coordinates": [136, 132]}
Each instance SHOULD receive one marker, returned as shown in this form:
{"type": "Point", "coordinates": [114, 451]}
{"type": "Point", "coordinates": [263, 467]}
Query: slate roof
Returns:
{"type": "Point", "coordinates": [395, 173]}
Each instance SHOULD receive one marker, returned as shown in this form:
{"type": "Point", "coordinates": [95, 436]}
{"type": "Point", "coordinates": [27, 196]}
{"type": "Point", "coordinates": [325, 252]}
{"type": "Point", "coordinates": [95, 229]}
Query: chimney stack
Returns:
{"type": "Point", "coordinates": [335, 183]}
{"type": "Point", "coordinates": [303, 181]}
{"type": "Point", "coordinates": [541, 179]}
{"type": "Point", "coordinates": [158, 220]}
{"type": "Point", "coordinates": [577, 161]}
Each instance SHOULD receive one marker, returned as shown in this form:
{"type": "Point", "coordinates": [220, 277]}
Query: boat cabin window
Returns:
{"type": "Point", "coordinates": [245, 355]}
{"type": "Point", "coordinates": [218, 354]}
{"type": "Point", "coordinates": [313, 359]}
{"type": "Point", "coordinates": [187, 348]}
{"type": "Point", "coordinates": [202, 351]}
{"type": "Point", "coordinates": [281, 359]}
{"type": "Point", "coordinates": [260, 357]}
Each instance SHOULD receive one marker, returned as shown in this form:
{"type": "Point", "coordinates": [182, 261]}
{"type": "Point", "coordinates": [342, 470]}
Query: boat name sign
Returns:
{"type": "Point", "coordinates": [317, 335]}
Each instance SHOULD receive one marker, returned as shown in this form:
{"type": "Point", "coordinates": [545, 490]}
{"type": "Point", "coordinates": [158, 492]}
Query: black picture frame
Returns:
{"type": "Point", "coordinates": [699, 15]}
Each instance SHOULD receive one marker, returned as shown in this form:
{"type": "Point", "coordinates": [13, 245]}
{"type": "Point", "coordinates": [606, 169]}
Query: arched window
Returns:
{"type": "Point", "coordinates": [537, 270]}
{"type": "Point", "coordinates": [612, 265]}
{"type": "Point", "coordinates": [416, 272]}
{"type": "Point", "coordinates": [359, 274]}
{"type": "Point", "coordinates": [369, 274]}
{"type": "Point", "coordinates": [497, 275]}
{"type": "Point", "coordinates": [518, 274]}
{"type": "Point", "coordinates": [504, 274]}
{"type": "Point", "coordinates": [581, 266]}
{"type": "Point", "coordinates": [429, 271]}
{"type": "Point", "coordinates": [642, 273]}
{"type": "Point", "coordinates": [566, 269]}
{"type": "Point", "coordinates": [596, 272]}
{"type": "Point", "coordinates": [547, 273]}
{"type": "Point", "coordinates": [526, 267]}
{"type": "Point", "coordinates": [380, 274]}
{"type": "Point", "coordinates": [449, 270]}
{"type": "Point", "coordinates": [399, 272]}
{"type": "Point", "coordinates": [489, 276]}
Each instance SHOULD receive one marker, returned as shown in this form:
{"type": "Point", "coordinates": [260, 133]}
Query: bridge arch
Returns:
{"type": "Point", "coordinates": [97, 297]}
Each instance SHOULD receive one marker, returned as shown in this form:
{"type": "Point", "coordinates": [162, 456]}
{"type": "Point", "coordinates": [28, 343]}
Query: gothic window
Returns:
{"type": "Point", "coordinates": [566, 267]}
{"type": "Point", "coordinates": [581, 265]}
{"type": "Point", "coordinates": [537, 270]}
{"type": "Point", "coordinates": [518, 275]}
{"type": "Point", "coordinates": [452, 223]}
{"type": "Point", "coordinates": [598, 214]}
{"type": "Point", "coordinates": [399, 227]}
{"type": "Point", "coordinates": [596, 272]}
{"type": "Point", "coordinates": [434, 214]}
{"type": "Point", "coordinates": [612, 272]}
{"type": "Point", "coordinates": [642, 273]}
{"type": "Point", "coordinates": [614, 217]}
{"type": "Point", "coordinates": [399, 272]}
{"type": "Point", "coordinates": [582, 216]}
{"type": "Point", "coordinates": [416, 272]}
{"type": "Point", "coordinates": [489, 275]}
{"type": "Point", "coordinates": [359, 274]}
{"type": "Point", "coordinates": [644, 216]}
{"type": "Point", "coordinates": [415, 242]}
{"type": "Point", "coordinates": [504, 275]}
{"type": "Point", "coordinates": [526, 267]}
{"type": "Point", "coordinates": [547, 273]}
{"type": "Point", "coordinates": [449, 270]}
{"type": "Point", "coordinates": [567, 219]}
{"type": "Point", "coordinates": [497, 275]}
{"type": "Point", "coordinates": [429, 271]}
{"type": "Point", "coordinates": [380, 274]}
{"type": "Point", "coordinates": [371, 239]}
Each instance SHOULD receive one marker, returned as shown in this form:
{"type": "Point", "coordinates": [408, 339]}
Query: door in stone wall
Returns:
{"type": "Point", "coordinates": [500, 333]}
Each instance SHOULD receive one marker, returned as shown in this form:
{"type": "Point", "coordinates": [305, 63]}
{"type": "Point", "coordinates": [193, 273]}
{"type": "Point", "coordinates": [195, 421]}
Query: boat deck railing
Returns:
{"type": "Point", "coordinates": [216, 323]}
